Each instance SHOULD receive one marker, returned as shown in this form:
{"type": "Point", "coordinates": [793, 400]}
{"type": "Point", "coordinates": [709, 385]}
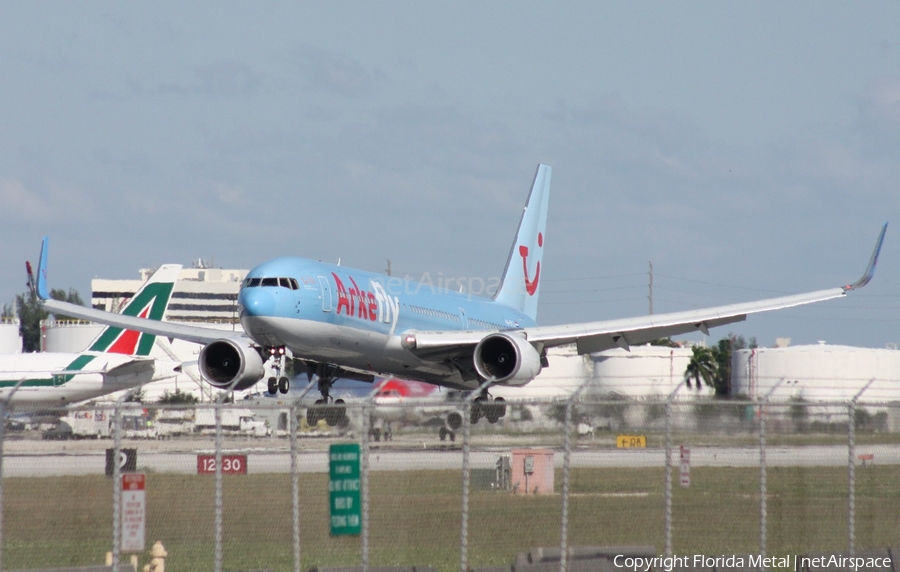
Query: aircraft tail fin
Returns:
{"type": "Point", "coordinates": [521, 283]}
{"type": "Point", "coordinates": [149, 302]}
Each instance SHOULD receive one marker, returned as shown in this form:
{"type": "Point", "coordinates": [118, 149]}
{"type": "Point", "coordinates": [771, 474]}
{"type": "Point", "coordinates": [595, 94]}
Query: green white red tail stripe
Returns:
{"type": "Point", "coordinates": [149, 302]}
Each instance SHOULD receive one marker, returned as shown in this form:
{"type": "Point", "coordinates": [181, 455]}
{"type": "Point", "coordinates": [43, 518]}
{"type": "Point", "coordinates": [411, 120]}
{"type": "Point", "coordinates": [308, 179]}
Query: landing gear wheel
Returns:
{"type": "Point", "coordinates": [501, 407]}
{"type": "Point", "coordinates": [443, 433]}
{"type": "Point", "coordinates": [478, 409]}
{"type": "Point", "coordinates": [284, 385]}
{"type": "Point", "coordinates": [335, 414]}
{"type": "Point", "coordinates": [454, 421]}
{"type": "Point", "coordinates": [452, 435]}
{"type": "Point", "coordinates": [314, 413]}
{"type": "Point", "coordinates": [376, 433]}
{"type": "Point", "coordinates": [495, 410]}
{"type": "Point", "coordinates": [273, 386]}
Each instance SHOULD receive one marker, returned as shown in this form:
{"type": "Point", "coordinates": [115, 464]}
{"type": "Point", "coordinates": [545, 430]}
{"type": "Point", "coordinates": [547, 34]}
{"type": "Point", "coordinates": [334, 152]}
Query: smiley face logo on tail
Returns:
{"type": "Point", "coordinates": [531, 285]}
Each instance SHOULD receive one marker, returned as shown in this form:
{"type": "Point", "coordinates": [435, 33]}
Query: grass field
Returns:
{"type": "Point", "coordinates": [415, 517]}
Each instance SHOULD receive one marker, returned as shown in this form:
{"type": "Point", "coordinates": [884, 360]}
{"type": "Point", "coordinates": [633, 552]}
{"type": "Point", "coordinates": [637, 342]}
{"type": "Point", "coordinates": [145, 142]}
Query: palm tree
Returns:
{"type": "Point", "coordinates": [702, 367]}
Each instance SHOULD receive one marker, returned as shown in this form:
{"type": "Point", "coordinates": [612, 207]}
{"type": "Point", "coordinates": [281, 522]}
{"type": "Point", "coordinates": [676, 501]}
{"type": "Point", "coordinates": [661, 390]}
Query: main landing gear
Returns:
{"type": "Point", "coordinates": [332, 411]}
{"type": "Point", "coordinates": [490, 408]}
{"type": "Point", "coordinates": [279, 381]}
{"type": "Point", "coordinates": [452, 423]}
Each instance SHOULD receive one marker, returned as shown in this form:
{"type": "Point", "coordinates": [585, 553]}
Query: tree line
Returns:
{"type": "Point", "coordinates": [29, 309]}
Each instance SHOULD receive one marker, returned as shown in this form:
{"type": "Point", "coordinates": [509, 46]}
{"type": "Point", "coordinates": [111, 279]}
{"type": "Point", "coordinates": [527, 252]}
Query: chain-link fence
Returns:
{"type": "Point", "coordinates": [452, 484]}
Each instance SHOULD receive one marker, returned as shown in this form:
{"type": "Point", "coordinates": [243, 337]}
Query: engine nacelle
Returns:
{"type": "Point", "coordinates": [507, 359]}
{"type": "Point", "coordinates": [225, 362]}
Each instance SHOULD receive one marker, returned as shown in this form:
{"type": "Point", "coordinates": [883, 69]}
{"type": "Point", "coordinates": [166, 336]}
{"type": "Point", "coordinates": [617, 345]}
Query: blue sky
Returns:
{"type": "Point", "coordinates": [746, 149]}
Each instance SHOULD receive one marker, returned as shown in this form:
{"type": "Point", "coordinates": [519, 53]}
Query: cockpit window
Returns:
{"type": "Point", "coordinates": [289, 283]}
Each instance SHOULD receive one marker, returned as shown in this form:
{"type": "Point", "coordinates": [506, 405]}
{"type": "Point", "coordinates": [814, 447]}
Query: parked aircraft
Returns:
{"type": "Point", "coordinates": [352, 323]}
{"type": "Point", "coordinates": [117, 359]}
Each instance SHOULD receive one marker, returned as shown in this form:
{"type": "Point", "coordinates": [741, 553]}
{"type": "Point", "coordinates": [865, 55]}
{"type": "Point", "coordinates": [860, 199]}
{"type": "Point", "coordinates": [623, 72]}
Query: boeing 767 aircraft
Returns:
{"type": "Point", "coordinates": [353, 323]}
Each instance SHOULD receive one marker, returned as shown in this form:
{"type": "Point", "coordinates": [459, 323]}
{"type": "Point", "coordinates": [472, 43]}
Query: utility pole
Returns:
{"type": "Point", "coordinates": [650, 288]}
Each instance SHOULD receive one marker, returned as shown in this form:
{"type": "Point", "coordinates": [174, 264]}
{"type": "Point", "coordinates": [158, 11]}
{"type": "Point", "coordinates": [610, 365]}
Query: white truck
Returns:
{"type": "Point", "coordinates": [174, 422]}
{"type": "Point", "coordinates": [84, 424]}
{"type": "Point", "coordinates": [235, 421]}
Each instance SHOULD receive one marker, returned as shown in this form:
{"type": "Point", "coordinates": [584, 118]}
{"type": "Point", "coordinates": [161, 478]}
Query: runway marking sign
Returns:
{"type": "Point", "coordinates": [343, 488]}
{"type": "Point", "coordinates": [231, 464]}
{"type": "Point", "coordinates": [134, 512]}
{"type": "Point", "coordinates": [631, 441]}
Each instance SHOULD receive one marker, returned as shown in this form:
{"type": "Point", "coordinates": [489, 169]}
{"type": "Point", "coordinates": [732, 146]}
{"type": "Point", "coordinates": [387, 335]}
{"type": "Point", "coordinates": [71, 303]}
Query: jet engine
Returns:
{"type": "Point", "coordinates": [231, 364]}
{"type": "Point", "coordinates": [507, 359]}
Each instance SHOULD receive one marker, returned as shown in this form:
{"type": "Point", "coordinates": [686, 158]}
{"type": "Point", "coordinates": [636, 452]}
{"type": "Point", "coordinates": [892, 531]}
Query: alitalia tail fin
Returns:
{"type": "Point", "coordinates": [149, 302]}
{"type": "Point", "coordinates": [521, 279]}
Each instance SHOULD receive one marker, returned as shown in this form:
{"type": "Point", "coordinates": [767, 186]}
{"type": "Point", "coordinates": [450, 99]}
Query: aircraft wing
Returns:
{"type": "Point", "coordinates": [598, 336]}
{"type": "Point", "coordinates": [133, 368]}
{"type": "Point", "coordinates": [166, 329]}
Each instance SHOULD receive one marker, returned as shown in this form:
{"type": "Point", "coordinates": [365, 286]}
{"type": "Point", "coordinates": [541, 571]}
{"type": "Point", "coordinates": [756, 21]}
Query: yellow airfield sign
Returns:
{"type": "Point", "coordinates": [631, 441]}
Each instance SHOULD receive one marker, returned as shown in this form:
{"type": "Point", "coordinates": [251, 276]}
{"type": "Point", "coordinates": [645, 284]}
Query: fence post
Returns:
{"type": "Point", "coordinates": [567, 461]}
{"type": "Point", "coordinates": [464, 518]}
{"type": "Point", "coordinates": [364, 474]}
{"type": "Point", "coordinates": [763, 514]}
{"type": "Point", "coordinates": [295, 488]}
{"type": "Point", "coordinates": [762, 477]}
{"type": "Point", "coordinates": [668, 491]}
{"type": "Point", "coordinates": [217, 502]}
{"type": "Point", "coordinates": [117, 481]}
{"type": "Point", "coordinates": [851, 474]}
{"type": "Point", "coordinates": [851, 469]}
{"type": "Point", "coordinates": [2, 438]}
{"type": "Point", "coordinates": [295, 476]}
{"type": "Point", "coordinates": [3, 407]}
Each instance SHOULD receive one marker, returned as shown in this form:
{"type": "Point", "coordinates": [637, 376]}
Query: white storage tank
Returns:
{"type": "Point", "coordinates": [817, 373]}
{"type": "Point", "coordinates": [565, 374]}
{"type": "Point", "coordinates": [10, 340]}
{"type": "Point", "coordinates": [645, 371]}
{"type": "Point", "coordinates": [68, 336]}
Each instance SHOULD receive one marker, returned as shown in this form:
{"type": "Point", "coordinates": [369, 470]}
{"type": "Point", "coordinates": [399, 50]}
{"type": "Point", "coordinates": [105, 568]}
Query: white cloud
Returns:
{"type": "Point", "coordinates": [326, 72]}
{"type": "Point", "coordinates": [51, 203]}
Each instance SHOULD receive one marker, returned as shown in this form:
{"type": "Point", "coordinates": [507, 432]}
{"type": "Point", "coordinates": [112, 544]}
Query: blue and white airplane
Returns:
{"type": "Point", "coordinates": [352, 323]}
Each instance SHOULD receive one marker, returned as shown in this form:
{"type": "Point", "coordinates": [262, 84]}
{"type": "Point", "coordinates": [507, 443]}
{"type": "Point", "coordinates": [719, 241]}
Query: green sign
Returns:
{"type": "Point", "coordinates": [343, 488]}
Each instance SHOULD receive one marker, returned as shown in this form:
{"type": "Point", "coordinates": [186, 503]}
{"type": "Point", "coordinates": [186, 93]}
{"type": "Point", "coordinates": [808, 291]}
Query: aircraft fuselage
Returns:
{"type": "Point", "coordinates": [333, 314]}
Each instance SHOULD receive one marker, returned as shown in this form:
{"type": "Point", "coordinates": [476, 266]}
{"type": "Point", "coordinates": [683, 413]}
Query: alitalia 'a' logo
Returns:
{"type": "Point", "coordinates": [149, 303]}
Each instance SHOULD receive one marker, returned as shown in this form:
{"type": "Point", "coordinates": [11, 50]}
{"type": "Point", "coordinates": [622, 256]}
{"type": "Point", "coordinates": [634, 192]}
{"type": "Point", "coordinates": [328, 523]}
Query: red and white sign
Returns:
{"type": "Point", "coordinates": [685, 466]}
{"type": "Point", "coordinates": [134, 512]}
{"type": "Point", "coordinates": [231, 464]}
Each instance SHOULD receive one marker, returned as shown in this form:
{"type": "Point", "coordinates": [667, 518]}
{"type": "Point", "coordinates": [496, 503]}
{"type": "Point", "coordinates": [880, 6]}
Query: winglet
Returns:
{"type": "Point", "coordinates": [870, 270]}
{"type": "Point", "coordinates": [42, 289]}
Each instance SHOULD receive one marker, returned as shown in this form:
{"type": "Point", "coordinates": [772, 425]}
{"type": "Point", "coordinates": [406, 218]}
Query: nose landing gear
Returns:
{"type": "Point", "coordinates": [279, 382]}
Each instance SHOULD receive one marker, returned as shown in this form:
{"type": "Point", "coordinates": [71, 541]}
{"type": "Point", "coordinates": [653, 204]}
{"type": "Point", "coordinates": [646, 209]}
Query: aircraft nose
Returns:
{"type": "Point", "coordinates": [257, 301]}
